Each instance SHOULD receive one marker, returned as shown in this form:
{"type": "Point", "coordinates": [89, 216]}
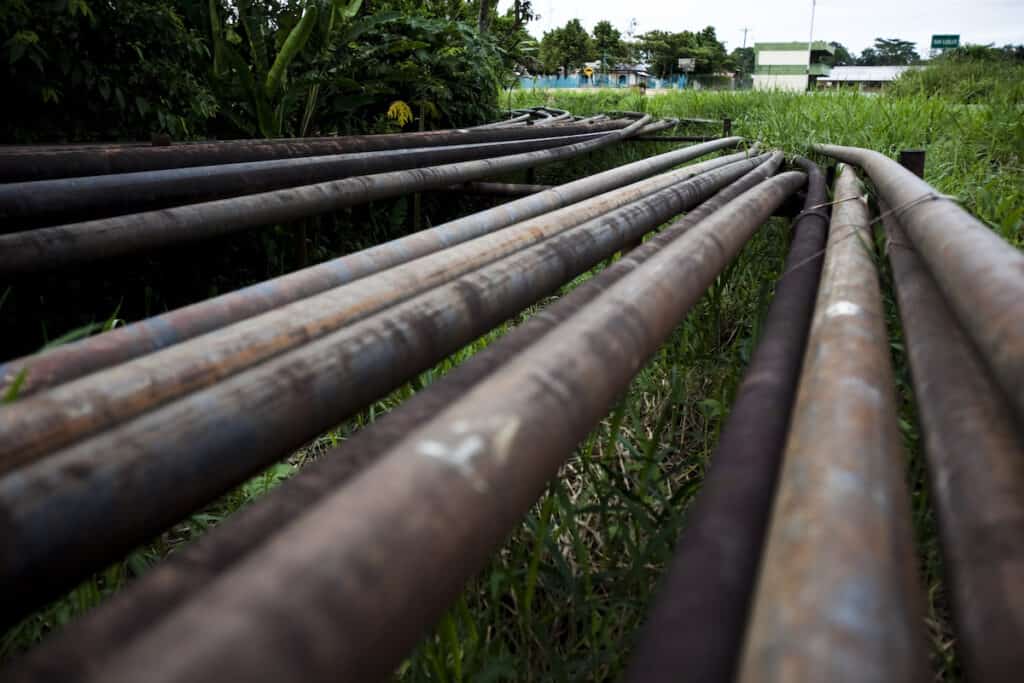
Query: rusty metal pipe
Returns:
{"type": "Point", "coordinates": [35, 164]}
{"type": "Point", "coordinates": [673, 138]}
{"type": "Point", "coordinates": [45, 248]}
{"type": "Point", "coordinates": [43, 202]}
{"type": "Point", "coordinates": [499, 189]}
{"type": "Point", "coordinates": [70, 361]}
{"type": "Point", "coordinates": [373, 564]}
{"type": "Point", "coordinates": [511, 121]}
{"type": "Point", "coordinates": [837, 597]}
{"type": "Point", "coordinates": [39, 424]}
{"type": "Point", "coordinates": [981, 276]}
{"type": "Point", "coordinates": [100, 634]}
{"type": "Point", "coordinates": [695, 629]}
{"type": "Point", "coordinates": [80, 508]}
{"type": "Point", "coordinates": [975, 461]}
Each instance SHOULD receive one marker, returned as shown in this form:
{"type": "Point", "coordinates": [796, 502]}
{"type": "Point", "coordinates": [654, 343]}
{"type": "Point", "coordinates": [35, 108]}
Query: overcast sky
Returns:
{"type": "Point", "coordinates": [854, 23]}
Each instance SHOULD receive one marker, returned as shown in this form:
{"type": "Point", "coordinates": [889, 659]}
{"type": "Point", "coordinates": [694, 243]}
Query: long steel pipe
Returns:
{"type": "Point", "coordinates": [42, 202]}
{"type": "Point", "coordinates": [99, 635]}
{"type": "Point", "coordinates": [72, 512]}
{"type": "Point", "coordinates": [373, 564]}
{"type": "Point", "coordinates": [35, 250]}
{"type": "Point", "coordinates": [39, 424]}
{"type": "Point", "coordinates": [74, 360]}
{"type": "Point", "coordinates": [695, 629]}
{"type": "Point", "coordinates": [981, 276]}
{"type": "Point", "coordinates": [511, 121]}
{"type": "Point", "coordinates": [499, 189]}
{"type": "Point", "coordinates": [975, 460]}
{"type": "Point", "coordinates": [837, 598]}
{"type": "Point", "coordinates": [41, 164]}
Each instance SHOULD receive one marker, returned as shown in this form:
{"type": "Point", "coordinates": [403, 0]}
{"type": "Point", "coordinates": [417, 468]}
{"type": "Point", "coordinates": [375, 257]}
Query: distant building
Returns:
{"type": "Point", "coordinates": [862, 77]}
{"type": "Point", "coordinates": [789, 66]}
{"type": "Point", "coordinates": [625, 75]}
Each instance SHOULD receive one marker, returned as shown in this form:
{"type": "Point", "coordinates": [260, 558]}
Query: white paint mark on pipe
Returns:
{"type": "Point", "coordinates": [842, 308]}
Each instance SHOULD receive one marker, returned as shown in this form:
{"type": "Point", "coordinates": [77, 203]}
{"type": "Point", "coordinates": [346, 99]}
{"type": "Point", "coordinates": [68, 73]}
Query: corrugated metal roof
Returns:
{"type": "Point", "coordinates": [865, 73]}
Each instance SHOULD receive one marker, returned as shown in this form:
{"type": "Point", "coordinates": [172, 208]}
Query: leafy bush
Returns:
{"type": "Point", "coordinates": [80, 70]}
{"type": "Point", "coordinates": [969, 76]}
{"type": "Point", "coordinates": [445, 70]}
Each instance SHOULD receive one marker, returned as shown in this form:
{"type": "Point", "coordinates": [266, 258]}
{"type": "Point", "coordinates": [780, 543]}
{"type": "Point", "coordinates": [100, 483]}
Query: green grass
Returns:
{"type": "Point", "coordinates": [563, 598]}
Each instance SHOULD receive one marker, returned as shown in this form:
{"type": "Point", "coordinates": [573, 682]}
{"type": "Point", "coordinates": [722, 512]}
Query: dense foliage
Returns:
{"type": "Point", "coordinates": [87, 70]}
{"type": "Point", "coordinates": [84, 70]}
{"type": "Point", "coordinates": [973, 74]}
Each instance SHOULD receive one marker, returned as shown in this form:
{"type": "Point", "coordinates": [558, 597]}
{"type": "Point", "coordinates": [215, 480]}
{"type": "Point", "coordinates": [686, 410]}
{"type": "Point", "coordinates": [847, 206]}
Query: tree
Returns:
{"type": "Point", "coordinates": [608, 43]}
{"type": "Point", "coordinates": [662, 50]}
{"type": "Point", "coordinates": [518, 48]}
{"type": "Point", "coordinates": [83, 70]}
{"type": "Point", "coordinates": [743, 58]}
{"type": "Point", "coordinates": [984, 53]}
{"type": "Point", "coordinates": [889, 52]}
{"type": "Point", "coordinates": [252, 53]}
{"type": "Point", "coordinates": [842, 56]}
{"type": "Point", "coordinates": [569, 46]}
{"type": "Point", "coordinates": [483, 20]}
{"type": "Point", "coordinates": [869, 57]}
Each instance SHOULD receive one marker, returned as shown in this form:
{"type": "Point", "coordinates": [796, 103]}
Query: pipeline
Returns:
{"type": "Point", "coordinates": [88, 355]}
{"type": "Point", "coordinates": [80, 508]}
{"type": "Point", "coordinates": [838, 597]}
{"type": "Point", "coordinates": [977, 498]}
{"type": "Point", "coordinates": [511, 121]}
{"type": "Point", "coordinates": [42, 202]}
{"type": "Point", "coordinates": [673, 138]}
{"type": "Point", "coordinates": [499, 189]}
{"type": "Point", "coordinates": [101, 633]}
{"type": "Point", "coordinates": [39, 424]}
{"type": "Point", "coordinates": [32, 163]}
{"type": "Point", "coordinates": [353, 600]}
{"type": "Point", "coordinates": [695, 629]}
{"type": "Point", "coordinates": [979, 274]}
{"type": "Point", "coordinates": [34, 250]}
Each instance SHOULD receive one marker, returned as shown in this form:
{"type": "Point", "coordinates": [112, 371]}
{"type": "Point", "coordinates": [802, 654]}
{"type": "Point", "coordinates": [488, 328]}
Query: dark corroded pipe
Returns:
{"type": "Point", "coordinates": [38, 424]}
{"type": "Point", "coordinates": [673, 138]}
{"type": "Point", "coordinates": [976, 467]}
{"type": "Point", "coordinates": [45, 248]}
{"type": "Point", "coordinates": [102, 633]}
{"type": "Point", "coordinates": [499, 189]}
{"type": "Point", "coordinates": [36, 164]}
{"type": "Point", "coordinates": [80, 508]}
{"type": "Point", "coordinates": [837, 598]}
{"type": "Point", "coordinates": [697, 620]}
{"type": "Point", "coordinates": [88, 355]}
{"type": "Point", "coordinates": [510, 121]}
{"type": "Point", "coordinates": [373, 564]}
{"type": "Point", "coordinates": [981, 276]}
{"type": "Point", "coordinates": [43, 202]}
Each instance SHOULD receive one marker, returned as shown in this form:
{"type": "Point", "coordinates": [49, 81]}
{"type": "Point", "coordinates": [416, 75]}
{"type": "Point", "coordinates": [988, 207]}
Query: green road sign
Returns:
{"type": "Point", "coordinates": [946, 41]}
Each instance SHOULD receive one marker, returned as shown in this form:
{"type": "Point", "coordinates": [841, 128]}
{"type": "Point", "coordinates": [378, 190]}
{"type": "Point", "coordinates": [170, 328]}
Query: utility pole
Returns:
{"type": "Point", "coordinates": [745, 31]}
{"type": "Point", "coordinates": [810, 42]}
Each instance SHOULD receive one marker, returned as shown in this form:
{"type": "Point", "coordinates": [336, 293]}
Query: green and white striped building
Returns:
{"type": "Point", "coordinates": [789, 66]}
